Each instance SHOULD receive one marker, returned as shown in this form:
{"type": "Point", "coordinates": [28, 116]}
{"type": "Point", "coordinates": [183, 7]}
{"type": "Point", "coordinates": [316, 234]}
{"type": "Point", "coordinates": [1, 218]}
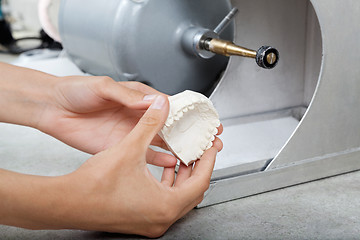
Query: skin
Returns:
{"type": "Point", "coordinates": [113, 191]}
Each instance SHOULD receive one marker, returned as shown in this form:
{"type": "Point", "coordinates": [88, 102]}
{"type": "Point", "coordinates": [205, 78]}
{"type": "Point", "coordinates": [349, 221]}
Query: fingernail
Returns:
{"type": "Point", "coordinates": [149, 97]}
{"type": "Point", "coordinates": [158, 103]}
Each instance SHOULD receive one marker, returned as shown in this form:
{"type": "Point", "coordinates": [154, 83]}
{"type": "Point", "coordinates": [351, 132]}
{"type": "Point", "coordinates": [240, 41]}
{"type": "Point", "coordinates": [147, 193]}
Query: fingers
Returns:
{"type": "Point", "coordinates": [220, 129]}
{"type": "Point", "coordinates": [204, 167]}
{"type": "Point", "coordinates": [111, 90]}
{"type": "Point", "coordinates": [183, 174]}
{"type": "Point", "coordinates": [199, 180]}
{"type": "Point", "coordinates": [142, 88]}
{"type": "Point", "coordinates": [160, 159]}
{"type": "Point", "coordinates": [150, 123]}
{"type": "Point", "coordinates": [149, 93]}
{"type": "Point", "coordinates": [132, 94]}
{"type": "Point", "coordinates": [157, 141]}
{"type": "Point", "coordinates": [192, 182]}
{"type": "Point", "coordinates": [218, 144]}
{"type": "Point", "coordinates": [168, 176]}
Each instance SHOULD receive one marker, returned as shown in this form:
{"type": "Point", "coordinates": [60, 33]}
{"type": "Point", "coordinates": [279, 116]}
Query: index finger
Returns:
{"type": "Point", "coordinates": [142, 88]}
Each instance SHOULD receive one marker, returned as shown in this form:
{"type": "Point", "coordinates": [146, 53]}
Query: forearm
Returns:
{"type": "Point", "coordinates": [30, 201]}
{"type": "Point", "coordinates": [24, 94]}
{"type": "Point", "coordinates": [39, 203]}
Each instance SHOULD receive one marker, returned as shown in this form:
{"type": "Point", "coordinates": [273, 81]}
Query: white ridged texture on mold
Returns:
{"type": "Point", "coordinates": [191, 125]}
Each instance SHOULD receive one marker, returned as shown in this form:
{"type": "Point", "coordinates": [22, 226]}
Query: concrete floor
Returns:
{"type": "Point", "coordinates": [325, 209]}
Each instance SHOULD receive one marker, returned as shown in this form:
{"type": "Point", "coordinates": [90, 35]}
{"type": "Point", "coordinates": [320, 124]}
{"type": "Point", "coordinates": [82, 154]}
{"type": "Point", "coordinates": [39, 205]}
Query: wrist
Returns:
{"type": "Point", "coordinates": [25, 94]}
{"type": "Point", "coordinates": [32, 202]}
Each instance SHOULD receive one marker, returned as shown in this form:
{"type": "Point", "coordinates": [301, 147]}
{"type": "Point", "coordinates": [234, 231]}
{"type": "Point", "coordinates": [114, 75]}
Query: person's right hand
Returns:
{"type": "Point", "coordinates": [115, 192]}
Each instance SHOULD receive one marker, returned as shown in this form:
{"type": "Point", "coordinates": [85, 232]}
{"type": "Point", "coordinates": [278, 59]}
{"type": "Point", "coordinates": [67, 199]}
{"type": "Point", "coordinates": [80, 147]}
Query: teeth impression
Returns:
{"type": "Point", "coordinates": [191, 125]}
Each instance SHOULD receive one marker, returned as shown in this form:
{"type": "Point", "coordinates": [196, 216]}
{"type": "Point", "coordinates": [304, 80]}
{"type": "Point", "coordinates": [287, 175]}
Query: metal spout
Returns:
{"type": "Point", "coordinates": [228, 48]}
{"type": "Point", "coordinates": [266, 57]}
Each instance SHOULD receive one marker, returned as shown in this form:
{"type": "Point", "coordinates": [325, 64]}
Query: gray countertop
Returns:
{"type": "Point", "coordinates": [324, 209]}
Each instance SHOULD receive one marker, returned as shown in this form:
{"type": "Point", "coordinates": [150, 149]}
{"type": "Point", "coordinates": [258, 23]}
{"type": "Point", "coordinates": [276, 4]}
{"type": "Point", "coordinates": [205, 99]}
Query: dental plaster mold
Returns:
{"type": "Point", "coordinates": [191, 126]}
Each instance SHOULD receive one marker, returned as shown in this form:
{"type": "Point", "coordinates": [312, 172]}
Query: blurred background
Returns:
{"type": "Point", "coordinates": [21, 28]}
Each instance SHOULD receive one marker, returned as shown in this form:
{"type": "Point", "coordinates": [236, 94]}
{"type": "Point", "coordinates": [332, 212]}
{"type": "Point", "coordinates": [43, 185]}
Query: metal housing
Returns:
{"type": "Point", "coordinates": [143, 40]}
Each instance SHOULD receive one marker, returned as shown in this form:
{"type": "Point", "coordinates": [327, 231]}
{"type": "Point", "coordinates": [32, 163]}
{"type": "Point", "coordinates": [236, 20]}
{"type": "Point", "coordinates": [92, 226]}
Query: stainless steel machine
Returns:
{"type": "Point", "coordinates": [286, 121]}
{"type": "Point", "coordinates": [170, 45]}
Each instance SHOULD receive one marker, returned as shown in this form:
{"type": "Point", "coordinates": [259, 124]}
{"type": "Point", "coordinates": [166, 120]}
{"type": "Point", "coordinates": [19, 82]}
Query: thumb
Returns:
{"type": "Point", "coordinates": [151, 122]}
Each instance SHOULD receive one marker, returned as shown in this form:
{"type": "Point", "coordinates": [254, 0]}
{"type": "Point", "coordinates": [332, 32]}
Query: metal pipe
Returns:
{"type": "Point", "coordinates": [226, 21]}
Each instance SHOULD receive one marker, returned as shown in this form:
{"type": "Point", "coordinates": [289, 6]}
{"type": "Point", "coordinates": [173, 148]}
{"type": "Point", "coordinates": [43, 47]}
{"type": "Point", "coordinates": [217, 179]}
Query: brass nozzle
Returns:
{"type": "Point", "coordinates": [228, 48]}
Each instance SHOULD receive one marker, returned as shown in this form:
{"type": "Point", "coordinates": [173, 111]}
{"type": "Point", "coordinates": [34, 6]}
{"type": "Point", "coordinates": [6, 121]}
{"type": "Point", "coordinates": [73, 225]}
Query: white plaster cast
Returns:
{"type": "Point", "coordinates": [191, 126]}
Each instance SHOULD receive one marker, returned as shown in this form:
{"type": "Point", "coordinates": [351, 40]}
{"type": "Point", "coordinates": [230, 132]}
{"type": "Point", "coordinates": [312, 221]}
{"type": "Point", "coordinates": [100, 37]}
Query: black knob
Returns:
{"type": "Point", "coordinates": [267, 57]}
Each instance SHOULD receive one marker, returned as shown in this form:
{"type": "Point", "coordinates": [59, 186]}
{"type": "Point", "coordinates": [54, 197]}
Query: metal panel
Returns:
{"type": "Point", "coordinates": [304, 171]}
{"type": "Point", "coordinates": [245, 88]}
{"type": "Point", "coordinates": [247, 95]}
{"type": "Point", "coordinates": [252, 144]}
{"type": "Point", "coordinates": [332, 123]}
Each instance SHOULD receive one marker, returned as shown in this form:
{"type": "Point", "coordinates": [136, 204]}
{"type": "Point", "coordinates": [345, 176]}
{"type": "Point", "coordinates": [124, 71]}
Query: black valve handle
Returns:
{"type": "Point", "coordinates": [267, 57]}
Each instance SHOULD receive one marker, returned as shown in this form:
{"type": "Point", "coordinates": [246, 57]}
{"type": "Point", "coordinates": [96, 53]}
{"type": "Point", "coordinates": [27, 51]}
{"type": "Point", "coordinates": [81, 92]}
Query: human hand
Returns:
{"type": "Point", "coordinates": [88, 113]}
{"type": "Point", "coordinates": [93, 113]}
{"type": "Point", "coordinates": [115, 192]}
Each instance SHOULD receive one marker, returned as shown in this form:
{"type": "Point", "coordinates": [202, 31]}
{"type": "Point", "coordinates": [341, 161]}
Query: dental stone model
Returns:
{"type": "Point", "coordinates": [191, 126]}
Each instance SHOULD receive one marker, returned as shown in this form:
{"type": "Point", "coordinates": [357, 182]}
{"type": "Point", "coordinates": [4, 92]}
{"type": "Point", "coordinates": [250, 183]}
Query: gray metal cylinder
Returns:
{"type": "Point", "coordinates": [142, 40]}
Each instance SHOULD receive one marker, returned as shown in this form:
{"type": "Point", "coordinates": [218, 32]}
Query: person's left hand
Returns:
{"type": "Point", "coordinates": [113, 191]}
{"type": "Point", "coordinates": [93, 113]}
